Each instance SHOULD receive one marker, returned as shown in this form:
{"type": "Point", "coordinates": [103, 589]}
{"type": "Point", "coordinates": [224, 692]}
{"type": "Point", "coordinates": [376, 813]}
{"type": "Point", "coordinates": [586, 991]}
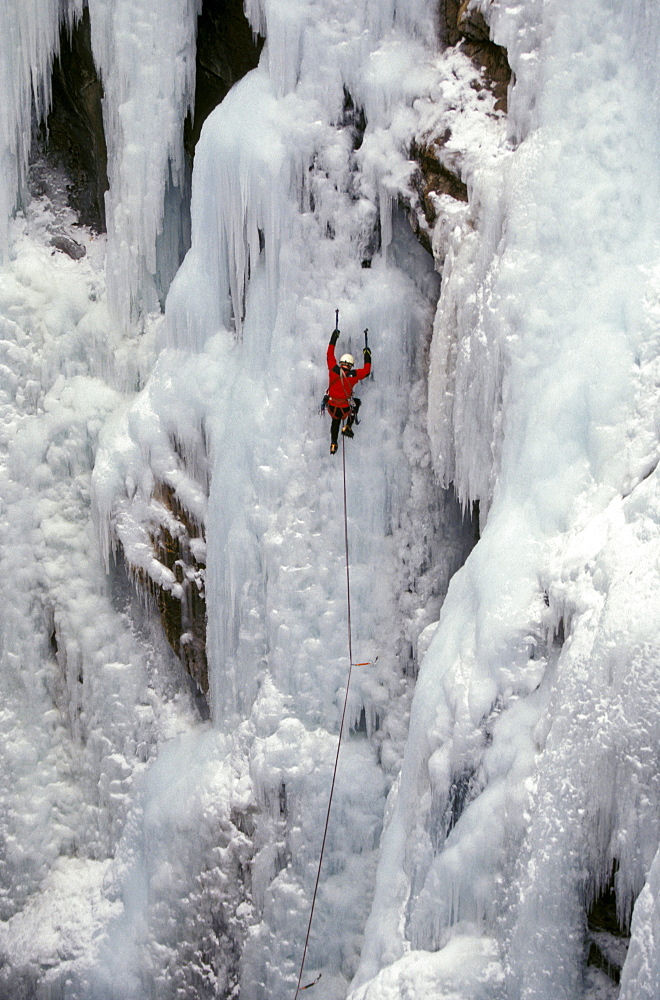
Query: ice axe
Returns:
{"type": "Point", "coordinates": [366, 347]}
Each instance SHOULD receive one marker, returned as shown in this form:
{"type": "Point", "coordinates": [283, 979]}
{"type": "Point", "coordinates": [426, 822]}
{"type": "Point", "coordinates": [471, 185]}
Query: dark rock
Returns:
{"type": "Point", "coordinates": [353, 119]}
{"type": "Point", "coordinates": [69, 246]}
{"type": "Point", "coordinates": [464, 26]}
{"type": "Point", "coordinates": [449, 31]}
{"type": "Point", "coordinates": [437, 176]}
{"type": "Point", "coordinates": [75, 138]}
{"type": "Point", "coordinates": [493, 62]}
{"type": "Point", "coordinates": [471, 23]}
{"type": "Point", "coordinates": [183, 618]}
{"type": "Point", "coordinates": [432, 178]}
{"type": "Point", "coordinates": [226, 51]}
{"type": "Point", "coordinates": [608, 933]}
{"type": "Point", "coordinates": [463, 22]}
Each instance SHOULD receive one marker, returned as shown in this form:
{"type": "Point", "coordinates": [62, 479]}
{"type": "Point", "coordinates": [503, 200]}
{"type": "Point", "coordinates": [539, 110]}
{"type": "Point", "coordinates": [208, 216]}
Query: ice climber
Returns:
{"type": "Point", "coordinates": [339, 400]}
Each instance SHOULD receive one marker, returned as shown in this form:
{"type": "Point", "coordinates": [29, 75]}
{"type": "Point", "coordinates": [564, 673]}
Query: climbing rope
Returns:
{"type": "Point", "coordinates": [341, 730]}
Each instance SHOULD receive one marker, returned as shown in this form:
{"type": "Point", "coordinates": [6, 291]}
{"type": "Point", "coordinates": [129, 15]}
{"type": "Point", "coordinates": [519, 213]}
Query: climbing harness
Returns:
{"type": "Point", "coordinates": [341, 730]}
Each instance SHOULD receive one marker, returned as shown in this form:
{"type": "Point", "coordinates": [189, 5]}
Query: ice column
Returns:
{"type": "Point", "coordinates": [146, 57]}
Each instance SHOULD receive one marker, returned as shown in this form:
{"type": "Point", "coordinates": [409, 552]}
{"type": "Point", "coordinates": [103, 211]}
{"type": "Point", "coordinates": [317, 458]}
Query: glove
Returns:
{"type": "Point", "coordinates": [367, 355]}
{"type": "Point", "coordinates": [334, 337]}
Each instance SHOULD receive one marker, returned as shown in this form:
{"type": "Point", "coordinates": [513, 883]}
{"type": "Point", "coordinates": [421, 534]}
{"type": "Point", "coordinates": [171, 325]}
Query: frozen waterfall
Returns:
{"type": "Point", "coordinates": [498, 783]}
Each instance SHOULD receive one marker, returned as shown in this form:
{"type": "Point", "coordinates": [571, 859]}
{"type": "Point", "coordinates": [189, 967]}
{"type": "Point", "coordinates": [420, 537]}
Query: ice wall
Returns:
{"type": "Point", "coordinates": [292, 218]}
{"type": "Point", "coordinates": [527, 773]}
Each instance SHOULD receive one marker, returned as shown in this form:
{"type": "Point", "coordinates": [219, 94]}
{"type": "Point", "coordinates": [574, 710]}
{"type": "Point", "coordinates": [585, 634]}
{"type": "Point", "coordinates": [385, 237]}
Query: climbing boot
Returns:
{"type": "Point", "coordinates": [333, 447]}
{"type": "Point", "coordinates": [347, 432]}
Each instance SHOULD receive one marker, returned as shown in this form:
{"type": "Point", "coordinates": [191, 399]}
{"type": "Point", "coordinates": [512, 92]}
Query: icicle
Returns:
{"type": "Point", "coordinates": [247, 204]}
{"type": "Point", "coordinates": [385, 207]}
{"type": "Point", "coordinates": [146, 58]}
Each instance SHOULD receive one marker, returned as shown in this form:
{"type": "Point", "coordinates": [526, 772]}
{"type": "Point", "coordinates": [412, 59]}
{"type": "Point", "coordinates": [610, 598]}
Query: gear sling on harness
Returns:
{"type": "Point", "coordinates": [354, 406]}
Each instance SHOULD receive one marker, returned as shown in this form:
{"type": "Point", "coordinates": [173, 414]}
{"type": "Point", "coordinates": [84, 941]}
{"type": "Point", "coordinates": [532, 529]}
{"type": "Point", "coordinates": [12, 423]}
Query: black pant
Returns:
{"type": "Point", "coordinates": [338, 414]}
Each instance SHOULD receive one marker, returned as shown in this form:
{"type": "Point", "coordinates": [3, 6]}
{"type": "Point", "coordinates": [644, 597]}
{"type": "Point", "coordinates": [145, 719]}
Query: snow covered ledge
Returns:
{"type": "Point", "coordinates": [467, 967]}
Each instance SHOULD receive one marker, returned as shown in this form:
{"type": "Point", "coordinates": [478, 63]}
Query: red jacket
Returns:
{"type": "Point", "coordinates": [340, 387]}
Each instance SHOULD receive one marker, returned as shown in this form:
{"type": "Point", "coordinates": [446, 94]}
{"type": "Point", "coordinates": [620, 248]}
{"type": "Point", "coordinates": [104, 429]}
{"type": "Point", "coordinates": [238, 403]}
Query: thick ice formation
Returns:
{"type": "Point", "coordinates": [87, 694]}
{"type": "Point", "coordinates": [246, 324]}
{"type": "Point", "coordinates": [641, 973]}
{"type": "Point", "coordinates": [533, 718]}
{"type": "Point", "coordinates": [145, 54]}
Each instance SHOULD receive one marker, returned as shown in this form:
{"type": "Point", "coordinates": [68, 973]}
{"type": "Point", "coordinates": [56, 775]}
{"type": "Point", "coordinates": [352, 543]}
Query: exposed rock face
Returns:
{"type": "Point", "coordinates": [608, 934]}
{"type": "Point", "coordinates": [179, 546]}
{"type": "Point", "coordinates": [434, 178]}
{"type": "Point", "coordinates": [74, 138]}
{"type": "Point", "coordinates": [68, 246]}
{"type": "Point", "coordinates": [226, 51]}
{"type": "Point", "coordinates": [463, 26]}
{"type": "Point", "coordinates": [491, 58]}
{"type": "Point", "coordinates": [75, 135]}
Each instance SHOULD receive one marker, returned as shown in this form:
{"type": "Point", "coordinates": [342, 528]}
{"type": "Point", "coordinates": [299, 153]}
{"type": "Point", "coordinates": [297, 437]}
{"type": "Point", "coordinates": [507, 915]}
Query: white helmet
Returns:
{"type": "Point", "coordinates": [347, 359]}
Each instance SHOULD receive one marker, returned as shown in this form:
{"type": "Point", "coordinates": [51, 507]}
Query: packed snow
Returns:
{"type": "Point", "coordinates": [498, 772]}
